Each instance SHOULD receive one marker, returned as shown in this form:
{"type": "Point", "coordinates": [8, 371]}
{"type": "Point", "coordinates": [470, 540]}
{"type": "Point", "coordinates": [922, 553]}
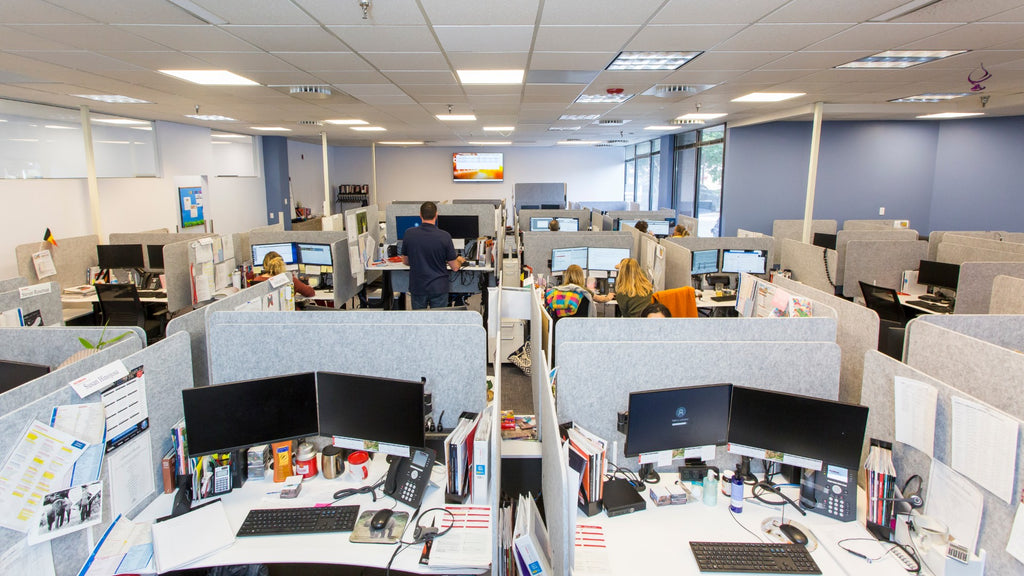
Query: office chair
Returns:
{"type": "Point", "coordinates": [120, 306]}
{"type": "Point", "coordinates": [892, 320]}
{"type": "Point", "coordinates": [681, 302]}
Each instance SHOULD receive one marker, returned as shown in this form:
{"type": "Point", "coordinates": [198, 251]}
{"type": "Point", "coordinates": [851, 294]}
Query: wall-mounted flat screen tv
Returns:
{"type": "Point", "coordinates": [478, 166]}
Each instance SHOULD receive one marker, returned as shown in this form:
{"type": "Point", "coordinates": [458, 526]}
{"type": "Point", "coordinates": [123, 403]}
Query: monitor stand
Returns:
{"type": "Point", "coordinates": [648, 475]}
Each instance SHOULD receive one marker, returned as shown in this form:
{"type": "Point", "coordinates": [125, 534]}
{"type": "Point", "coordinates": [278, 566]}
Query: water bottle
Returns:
{"type": "Point", "coordinates": [736, 500]}
{"type": "Point", "coordinates": [710, 489]}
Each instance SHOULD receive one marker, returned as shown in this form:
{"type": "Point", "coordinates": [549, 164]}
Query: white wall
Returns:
{"type": "Point", "coordinates": [306, 176]}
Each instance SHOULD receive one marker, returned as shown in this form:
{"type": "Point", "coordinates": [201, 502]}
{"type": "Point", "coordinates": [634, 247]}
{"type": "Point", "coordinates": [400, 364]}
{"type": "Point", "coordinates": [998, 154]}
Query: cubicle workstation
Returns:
{"type": "Point", "coordinates": [1006, 291]}
{"type": "Point", "coordinates": [878, 262]}
{"type": "Point", "coordinates": [320, 258]}
{"type": "Point", "coordinates": [843, 237]}
{"type": "Point", "coordinates": [935, 238]}
{"type": "Point", "coordinates": [726, 256]}
{"type": "Point", "coordinates": [536, 220]}
{"type": "Point", "coordinates": [814, 266]}
{"type": "Point", "coordinates": [538, 249]}
{"type": "Point", "coordinates": [958, 249]}
{"type": "Point", "coordinates": [33, 306]}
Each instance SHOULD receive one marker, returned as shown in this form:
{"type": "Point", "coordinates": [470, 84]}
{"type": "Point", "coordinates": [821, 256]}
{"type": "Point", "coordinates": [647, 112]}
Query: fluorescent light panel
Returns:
{"type": "Point", "coordinates": [491, 143]}
{"type": "Point", "coordinates": [210, 117]}
{"type": "Point", "coordinates": [579, 142]}
{"type": "Point", "coordinates": [112, 98]}
{"type": "Point", "coordinates": [651, 60]}
{"type": "Point", "coordinates": [660, 127]}
{"type": "Point", "coordinates": [210, 77]}
{"type": "Point", "coordinates": [562, 128]}
{"type": "Point", "coordinates": [768, 96]}
{"type": "Point", "coordinates": [347, 122]}
{"type": "Point", "coordinates": [931, 97]}
{"type": "Point", "coordinates": [231, 136]}
{"type": "Point", "coordinates": [499, 128]}
{"type": "Point", "coordinates": [900, 59]}
{"type": "Point", "coordinates": [400, 143]}
{"type": "Point", "coordinates": [120, 121]}
{"type": "Point", "coordinates": [579, 116]}
{"type": "Point", "coordinates": [947, 115]}
{"type": "Point", "coordinates": [270, 128]}
{"type": "Point", "coordinates": [368, 128]}
{"type": "Point", "coordinates": [59, 127]}
{"type": "Point", "coordinates": [456, 117]}
{"type": "Point", "coordinates": [696, 116]}
{"type": "Point", "coordinates": [602, 98]}
{"type": "Point", "coordinates": [490, 76]}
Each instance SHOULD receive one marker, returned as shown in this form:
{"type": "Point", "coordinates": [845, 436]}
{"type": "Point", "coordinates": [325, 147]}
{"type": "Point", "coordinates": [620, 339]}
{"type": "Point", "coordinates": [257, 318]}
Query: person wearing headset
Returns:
{"type": "Point", "coordinates": [273, 264]}
{"type": "Point", "coordinates": [633, 289]}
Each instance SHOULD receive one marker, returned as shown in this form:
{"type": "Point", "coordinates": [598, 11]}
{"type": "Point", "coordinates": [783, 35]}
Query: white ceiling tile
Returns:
{"type": "Point", "coordinates": [419, 77]}
{"type": "Point", "coordinates": [818, 11]}
{"type": "Point", "coordinates": [38, 12]}
{"type": "Point", "coordinates": [772, 76]}
{"type": "Point", "coordinates": [371, 89]}
{"type": "Point", "coordinates": [280, 78]}
{"type": "Point", "coordinates": [694, 76]}
{"type": "Point", "coordinates": [239, 62]}
{"type": "Point", "coordinates": [256, 11]}
{"type": "Point", "coordinates": [387, 38]}
{"type": "Point", "coordinates": [406, 60]}
{"type": "Point", "coordinates": [82, 61]}
{"type": "Point", "coordinates": [324, 60]}
{"type": "Point", "coordinates": [732, 60]}
{"type": "Point", "coordinates": [133, 12]}
{"type": "Point", "coordinates": [495, 38]}
{"type": "Point", "coordinates": [963, 11]}
{"type": "Point", "coordinates": [480, 12]}
{"type": "Point", "coordinates": [571, 60]}
{"type": "Point", "coordinates": [159, 60]}
{"type": "Point", "coordinates": [879, 36]}
{"type": "Point", "coordinates": [351, 77]}
{"type": "Point", "coordinates": [421, 91]}
{"type": "Point", "coordinates": [288, 38]}
{"type": "Point", "coordinates": [686, 38]}
{"type": "Point", "coordinates": [93, 36]}
{"type": "Point", "coordinates": [584, 12]}
{"type": "Point", "coordinates": [208, 38]}
{"type": "Point", "coordinates": [12, 38]}
{"type": "Point", "coordinates": [381, 13]}
{"type": "Point", "coordinates": [488, 60]}
{"type": "Point", "coordinates": [583, 38]}
{"type": "Point", "coordinates": [551, 93]}
{"type": "Point", "coordinates": [780, 36]}
{"type": "Point", "coordinates": [1014, 15]}
{"type": "Point", "coordinates": [715, 11]}
{"type": "Point", "coordinates": [814, 60]}
{"type": "Point", "coordinates": [492, 90]}
{"type": "Point", "coordinates": [970, 37]}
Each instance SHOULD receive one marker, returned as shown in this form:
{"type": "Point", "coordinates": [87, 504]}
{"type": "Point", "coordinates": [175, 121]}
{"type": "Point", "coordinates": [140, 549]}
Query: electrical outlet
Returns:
{"type": "Point", "coordinates": [881, 210]}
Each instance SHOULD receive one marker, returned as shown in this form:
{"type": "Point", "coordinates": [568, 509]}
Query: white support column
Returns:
{"type": "Point", "coordinates": [327, 173]}
{"type": "Point", "coordinates": [373, 174]}
{"type": "Point", "coordinates": [90, 167]}
{"type": "Point", "coordinates": [812, 172]}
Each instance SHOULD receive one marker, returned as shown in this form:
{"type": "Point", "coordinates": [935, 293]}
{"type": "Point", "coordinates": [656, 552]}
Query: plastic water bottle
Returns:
{"type": "Point", "coordinates": [710, 489]}
{"type": "Point", "coordinates": [736, 500]}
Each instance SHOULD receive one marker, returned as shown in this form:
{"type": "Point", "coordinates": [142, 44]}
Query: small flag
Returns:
{"type": "Point", "coordinates": [48, 237]}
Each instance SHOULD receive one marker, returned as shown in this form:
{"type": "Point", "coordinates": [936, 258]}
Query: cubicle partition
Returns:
{"type": "Point", "coordinates": [485, 213]}
{"type": "Point", "coordinates": [539, 193]}
{"type": "Point", "coordinates": [537, 246]}
{"type": "Point", "coordinates": [43, 298]}
{"type": "Point", "coordinates": [880, 224]}
{"type": "Point", "coordinates": [811, 265]}
{"type": "Point", "coordinates": [13, 283]}
{"type": "Point", "coordinates": [523, 217]}
{"type": "Point", "coordinates": [677, 265]}
{"type": "Point", "coordinates": [1006, 291]}
{"type": "Point", "coordinates": [674, 274]}
{"type": "Point", "coordinates": [880, 372]}
{"type": "Point", "coordinates": [880, 263]}
{"type": "Point", "coordinates": [975, 286]}
{"type": "Point", "coordinates": [794, 229]}
{"type": "Point", "coordinates": [345, 285]}
{"type": "Point", "coordinates": [662, 214]}
{"type": "Point", "coordinates": [957, 249]}
{"type": "Point", "coordinates": [559, 495]}
{"type": "Point", "coordinates": [690, 222]}
{"type": "Point", "coordinates": [72, 257]}
{"type": "Point", "coordinates": [935, 238]}
{"type": "Point", "coordinates": [845, 236]}
{"type": "Point", "coordinates": [154, 238]}
{"type": "Point", "coordinates": [164, 381]}
{"type": "Point", "coordinates": [178, 275]}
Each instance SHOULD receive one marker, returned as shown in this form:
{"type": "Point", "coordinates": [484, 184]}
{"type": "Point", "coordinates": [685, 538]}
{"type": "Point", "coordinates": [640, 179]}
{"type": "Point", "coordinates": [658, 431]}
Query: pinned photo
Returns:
{"type": "Point", "coordinates": [66, 511]}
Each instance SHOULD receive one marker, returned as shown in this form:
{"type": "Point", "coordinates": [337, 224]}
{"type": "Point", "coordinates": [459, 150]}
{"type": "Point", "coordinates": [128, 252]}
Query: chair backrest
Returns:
{"type": "Point", "coordinates": [681, 302]}
{"type": "Point", "coordinates": [120, 305]}
{"type": "Point", "coordinates": [884, 301]}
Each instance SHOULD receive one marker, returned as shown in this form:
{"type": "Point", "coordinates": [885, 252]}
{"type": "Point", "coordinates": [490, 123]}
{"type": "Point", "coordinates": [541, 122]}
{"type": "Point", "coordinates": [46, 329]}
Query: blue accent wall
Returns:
{"type": "Point", "coordinates": [275, 172]}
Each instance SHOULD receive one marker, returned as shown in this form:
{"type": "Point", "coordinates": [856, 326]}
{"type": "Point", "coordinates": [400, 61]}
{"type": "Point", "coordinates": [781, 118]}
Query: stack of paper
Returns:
{"type": "Point", "coordinates": [468, 543]}
{"type": "Point", "coordinates": [181, 540]}
{"type": "Point", "coordinates": [591, 451]}
{"type": "Point", "coordinates": [530, 540]}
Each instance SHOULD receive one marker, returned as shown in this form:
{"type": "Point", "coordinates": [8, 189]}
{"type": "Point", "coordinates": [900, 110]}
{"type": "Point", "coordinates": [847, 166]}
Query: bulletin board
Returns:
{"type": "Point", "coordinates": [190, 202]}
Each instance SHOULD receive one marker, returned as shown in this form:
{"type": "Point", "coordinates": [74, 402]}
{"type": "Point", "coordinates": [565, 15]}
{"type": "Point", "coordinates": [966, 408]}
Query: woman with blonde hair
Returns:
{"type": "Point", "coordinates": [633, 289]}
{"type": "Point", "coordinates": [680, 231]}
{"type": "Point", "coordinates": [273, 264]}
{"type": "Point", "coordinates": [565, 299]}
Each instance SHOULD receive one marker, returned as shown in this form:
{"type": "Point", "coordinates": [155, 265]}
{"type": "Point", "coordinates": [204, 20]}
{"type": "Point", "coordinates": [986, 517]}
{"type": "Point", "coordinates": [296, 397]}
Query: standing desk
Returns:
{"type": "Point", "coordinates": [396, 279]}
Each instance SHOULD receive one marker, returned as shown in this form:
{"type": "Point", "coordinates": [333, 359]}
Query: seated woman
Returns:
{"type": "Point", "coordinates": [656, 310]}
{"type": "Point", "coordinates": [273, 264]}
{"type": "Point", "coordinates": [680, 231]}
{"type": "Point", "coordinates": [568, 298]}
{"type": "Point", "coordinates": [633, 289]}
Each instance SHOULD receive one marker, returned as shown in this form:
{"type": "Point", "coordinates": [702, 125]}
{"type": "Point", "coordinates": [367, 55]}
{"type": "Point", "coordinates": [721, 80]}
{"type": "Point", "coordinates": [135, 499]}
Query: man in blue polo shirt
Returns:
{"type": "Point", "coordinates": [428, 251]}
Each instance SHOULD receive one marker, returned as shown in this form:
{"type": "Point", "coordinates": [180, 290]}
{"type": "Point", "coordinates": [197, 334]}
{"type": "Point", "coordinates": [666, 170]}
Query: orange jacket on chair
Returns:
{"type": "Point", "coordinates": [681, 302]}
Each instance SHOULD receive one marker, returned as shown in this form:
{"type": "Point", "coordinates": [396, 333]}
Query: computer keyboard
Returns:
{"type": "Point", "coordinates": [942, 308]}
{"type": "Point", "coordinates": [754, 558]}
{"type": "Point", "coordinates": [723, 298]}
{"type": "Point", "coordinates": [152, 294]}
{"type": "Point", "coordinates": [269, 521]}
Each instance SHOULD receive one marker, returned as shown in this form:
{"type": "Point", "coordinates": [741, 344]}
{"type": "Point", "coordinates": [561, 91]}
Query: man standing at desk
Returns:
{"type": "Point", "coordinates": [429, 251]}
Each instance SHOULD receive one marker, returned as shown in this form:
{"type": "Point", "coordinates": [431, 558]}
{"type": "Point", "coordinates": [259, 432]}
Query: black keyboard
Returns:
{"type": "Point", "coordinates": [152, 294]}
{"type": "Point", "coordinates": [269, 521]}
{"type": "Point", "coordinates": [723, 298]}
{"type": "Point", "coordinates": [754, 558]}
{"type": "Point", "coordinates": [941, 308]}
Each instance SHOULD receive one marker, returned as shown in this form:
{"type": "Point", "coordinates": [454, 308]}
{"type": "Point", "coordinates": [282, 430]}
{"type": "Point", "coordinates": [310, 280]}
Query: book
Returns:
{"type": "Point", "coordinates": [530, 540]}
{"type": "Point", "coordinates": [168, 468]}
{"type": "Point", "coordinates": [481, 457]}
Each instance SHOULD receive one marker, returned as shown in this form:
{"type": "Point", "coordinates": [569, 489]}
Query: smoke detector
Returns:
{"type": "Point", "coordinates": [310, 92]}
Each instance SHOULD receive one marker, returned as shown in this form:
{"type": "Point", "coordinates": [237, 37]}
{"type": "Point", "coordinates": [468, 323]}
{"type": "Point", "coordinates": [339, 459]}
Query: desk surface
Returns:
{"type": "Point", "coordinates": [705, 300]}
{"type": "Point", "coordinates": [330, 548]}
{"type": "Point", "coordinates": [391, 266]}
{"type": "Point", "coordinates": [905, 300]}
{"type": "Point", "coordinates": [71, 299]}
{"type": "Point", "coordinates": [656, 540]}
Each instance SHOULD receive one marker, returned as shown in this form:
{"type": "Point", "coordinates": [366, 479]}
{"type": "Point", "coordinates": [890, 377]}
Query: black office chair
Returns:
{"type": "Point", "coordinates": [120, 306]}
{"type": "Point", "coordinates": [892, 319]}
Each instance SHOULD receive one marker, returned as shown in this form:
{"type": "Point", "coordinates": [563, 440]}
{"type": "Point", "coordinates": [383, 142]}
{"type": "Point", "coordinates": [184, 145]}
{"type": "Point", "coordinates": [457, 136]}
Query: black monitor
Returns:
{"type": "Point", "coordinates": [605, 258]}
{"type": "Point", "coordinates": [938, 274]}
{"type": "Point", "coordinates": [704, 262]}
{"type": "Point", "coordinates": [14, 374]}
{"type": "Point", "coordinates": [120, 256]}
{"type": "Point", "coordinates": [562, 258]}
{"type": "Point", "coordinates": [314, 254]}
{"type": "Point", "coordinates": [790, 427]}
{"type": "Point", "coordinates": [749, 261]}
{"type": "Point", "coordinates": [824, 240]}
{"type": "Point", "coordinates": [551, 206]}
{"type": "Point", "coordinates": [285, 249]}
{"type": "Point", "coordinates": [676, 418]}
{"type": "Point", "coordinates": [564, 224]}
{"type": "Point", "coordinates": [403, 223]}
{"type": "Point", "coordinates": [459, 226]}
{"type": "Point", "coordinates": [371, 409]}
{"type": "Point", "coordinates": [530, 207]}
{"type": "Point", "coordinates": [155, 253]}
{"type": "Point", "coordinates": [224, 417]}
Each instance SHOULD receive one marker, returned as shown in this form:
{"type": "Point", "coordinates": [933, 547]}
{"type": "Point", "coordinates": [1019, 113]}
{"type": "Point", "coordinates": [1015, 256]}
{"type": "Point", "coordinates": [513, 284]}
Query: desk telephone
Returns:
{"type": "Point", "coordinates": [831, 491]}
{"type": "Point", "coordinates": [408, 477]}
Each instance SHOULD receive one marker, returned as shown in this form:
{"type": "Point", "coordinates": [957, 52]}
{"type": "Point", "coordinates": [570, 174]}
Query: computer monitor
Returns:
{"type": "Point", "coordinates": [551, 206]}
{"type": "Point", "coordinates": [569, 224]}
{"type": "Point", "coordinates": [371, 409]}
{"type": "Point", "coordinates": [314, 254]}
{"type": "Point", "coordinates": [530, 207]}
{"type": "Point", "coordinates": [155, 253]}
{"type": "Point", "coordinates": [539, 224]}
{"type": "Point", "coordinates": [622, 222]}
{"type": "Point", "coordinates": [562, 258]}
{"type": "Point", "coordinates": [676, 418]}
{"type": "Point", "coordinates": [459, 226]}
{"type": "Point", "coordinates": [704, 262]}
{"type": "Point", "coordinates": [749, 261]}
{"type": "Point", "coordinates": [403, 223]}
{"type": "Point", "coordinates": [224, 417]}
{"type": "Point", "coordinates": [938, 274]}
{"type": "Point", "coordinates": [120, 256]}
{"type": "Point", "coordinates": [14, 374]}
{"type": "Point", "coordinates": [285, 249]}
{"type": "Point", "coordinates": [791, 427]}
{"type": "Point", "coordinates": [659, 227]}
{"type": "Point", "coordinates": [605, 258]}
{"type": "Point", "coordinates": [824, 240]}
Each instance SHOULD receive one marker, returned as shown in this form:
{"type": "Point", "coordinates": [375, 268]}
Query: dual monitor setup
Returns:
{"type": "Point", "coordinates": [307, 258]}
{"type": "Point", "coordinates": [460, 227]}
{"type": "Point", "coordinates": [728, 262]}
{"type": "Point", "coordinates": [130, 256]}
{"type": "Point", "coordinates": [564, 224]}
{"type": "Point", "coordinates": [587, 258]}
{"type": "Point", "coordinates": [660, 228]}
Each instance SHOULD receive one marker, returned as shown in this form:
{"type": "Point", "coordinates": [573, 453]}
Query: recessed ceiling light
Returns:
{"type": "Point", "coordinates": [579, 116]}
{"type": "Point", "coordinates": [222, 135]}
{"type": "Point", "coordinates": [23, 139]}
{"type": "Point", "coordinates": [491, 143]}
{"type": "Point", "coordinates": [112, 98]}
{"type": "Point", "coordinates": [579, 142]}
{"type": "Point", "coordinates": [121, 121]}
{"type": "Point", "coordinates": [490, 76]}
{"type": "Point", "coordinates": [699, 116]}
{"type": "Point", "coordinates": [347, 122]}
{"type": "Point", "coordinates": [59, 127]}
{"type": "Point", "coordinates": [270, 128]}
{"type": "Point", "coordinates": [661, 127]}
{"type": "Point", "coordinates": [768, 96]}
{"type": "Point", "coordinates": [145, 128]}
{"type": "Point", "coordinates": [113, 142]}
{"type": "Point", "coordinates": [562, 128]}
{"type": "Point", "coordinates": [943, 115]}
{"type": "Point", "coordinates": [400, 143]}
{"type": "Point", "coordinates": [602, 98]}
{"type": "Point", "coordinates": [931, 97]}
{"type": "Point", "coordinates": [499, 128]}
{"type": "Point", "coordinates": [900, 58]}
{"type": "Point", "coordinates": [211, 77]}
{"type": "Point", "coordinates": [651, 60]}
{"type": "Point", "coordinates": [456, 117]}
{"type": "Point", "coordinates": [210, 117]}
{"type": "Point", "coordinates": [368, 128]}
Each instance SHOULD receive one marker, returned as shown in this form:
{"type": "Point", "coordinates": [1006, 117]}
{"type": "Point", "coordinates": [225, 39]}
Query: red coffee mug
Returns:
{"type": "Point", "coordinates": [358, 468]}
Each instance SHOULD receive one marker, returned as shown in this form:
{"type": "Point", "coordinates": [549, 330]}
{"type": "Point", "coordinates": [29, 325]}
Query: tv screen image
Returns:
{"type": "Point", "coordinates": [479, 166]}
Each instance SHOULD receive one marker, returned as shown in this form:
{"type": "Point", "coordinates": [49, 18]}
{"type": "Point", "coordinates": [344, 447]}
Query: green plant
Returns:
{"type": "Point", "coordinates": [101, 343]}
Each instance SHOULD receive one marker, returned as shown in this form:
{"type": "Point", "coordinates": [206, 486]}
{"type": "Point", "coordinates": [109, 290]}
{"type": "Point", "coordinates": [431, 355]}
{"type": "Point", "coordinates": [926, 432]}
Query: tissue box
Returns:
{"type": "Point", "coordinates": [669, 494]}
{"type": "Point", "coordinates": [257, 460]}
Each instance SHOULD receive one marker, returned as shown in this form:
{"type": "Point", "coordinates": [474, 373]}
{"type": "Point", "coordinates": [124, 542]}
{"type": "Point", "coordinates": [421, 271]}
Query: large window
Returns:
{"type": "Point", "coordinates": [642, 163]}
{"type": "Point", "coordinates": [699, 166]}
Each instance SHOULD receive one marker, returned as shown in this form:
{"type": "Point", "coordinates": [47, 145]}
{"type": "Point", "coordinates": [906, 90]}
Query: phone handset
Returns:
{"type": "Point", "coordinates": [408, 478]}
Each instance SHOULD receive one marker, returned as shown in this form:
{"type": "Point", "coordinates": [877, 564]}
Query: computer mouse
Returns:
{"type": "Point", "coordinates": [380, 520]}
{"type": "Point", "coordinates": [795, 535]}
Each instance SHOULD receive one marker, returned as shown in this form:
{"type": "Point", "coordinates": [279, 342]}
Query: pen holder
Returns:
{"type": "Point", "coordinates": [455, 498]}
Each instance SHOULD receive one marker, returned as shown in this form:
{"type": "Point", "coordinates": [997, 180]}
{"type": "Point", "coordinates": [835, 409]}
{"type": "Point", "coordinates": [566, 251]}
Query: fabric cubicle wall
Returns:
{"type": "Point", "coordinates": [794, 229]}
{"type": "Point", "coordinates": [809, 264]}
{"type": "Point", "coordinates": [869, 224]}
{"type": "Point", "coordinates": [845, 236]}
{"type": "Point", "coordinates": [72, 257]}
{"type": "Point", "coordinates": [559, 500]}
{"type": "Point", "coordinates": [935, 238]}
{"type": "Point", "coordinates": [975, 286]}
{"type": "Point", "coordinates": [13, 283]}
{"type": "Point", "coordinates": [47, 303]}
{"type": "Point", "coordinates": [584, 216]}
{"type": "Point", "coordinates": [537, 246]}
{"type": "Point", "coordinates": [880, 263]}
{"type": "Point", "coordinates": [537, 193]}
{"type": "Point", "coordinates": [1006, 291]}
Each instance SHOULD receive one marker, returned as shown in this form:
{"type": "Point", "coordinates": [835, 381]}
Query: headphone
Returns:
{"type": "Point", "coordinates": [423, 533]}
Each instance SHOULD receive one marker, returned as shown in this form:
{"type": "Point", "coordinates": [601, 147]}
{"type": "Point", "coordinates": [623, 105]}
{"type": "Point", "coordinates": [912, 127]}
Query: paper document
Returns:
{"type": "Point", "coordinates": [984, 446]}
{"type": "Point", "coordinates": [181, 540]}
{"type": "Point", "coordinates": [131, 475]}
{"type": "Point", "coordinates": [87, 423]}
{"type": "Point", "coordinates": [125, 548]}
{"type": "Point", "coordinates": [43, 263]}
{"type": "Point", "coordinates": [24, 559]}
{"type": "Point", "coordinates": [915, 414]}
{"type": "Point", "coordinates": [204, 251]}
{"type": "Point", "coordinates": [99, 379]}
{"type": "Point", "coordinates": [591, 552]}
{"type": "Point", "coordinates": [1015, 544]}
{"type": "Point", "coordinates": [957, 503]}
{"type": "Point", "coordinates": [125, 408]}
{"type": "Point", "coordinates": [468, 544]}
{"type": "Point", "coordinates": [66, 511]}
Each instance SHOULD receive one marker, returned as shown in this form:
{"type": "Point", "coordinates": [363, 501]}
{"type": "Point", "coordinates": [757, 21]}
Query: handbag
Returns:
{"type": "Point", "coordinates": [521, 358]}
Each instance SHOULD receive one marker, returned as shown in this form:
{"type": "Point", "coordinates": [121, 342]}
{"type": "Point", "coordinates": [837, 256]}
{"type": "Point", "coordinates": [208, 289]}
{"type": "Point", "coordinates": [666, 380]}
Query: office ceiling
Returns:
{"type": "Point", "coordinates": [396, 68]}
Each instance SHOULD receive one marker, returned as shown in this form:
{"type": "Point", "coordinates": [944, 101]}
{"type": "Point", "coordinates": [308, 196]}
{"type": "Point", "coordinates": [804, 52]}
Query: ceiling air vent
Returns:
{"type": "Point", "coordinates": [611, 122]}
{"type": "Point", "coordinates": [676, 90]}
{"type": "Point", "coordinates": [310, 123]}
{"type": "Point", "coordinates": [310, 92]}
